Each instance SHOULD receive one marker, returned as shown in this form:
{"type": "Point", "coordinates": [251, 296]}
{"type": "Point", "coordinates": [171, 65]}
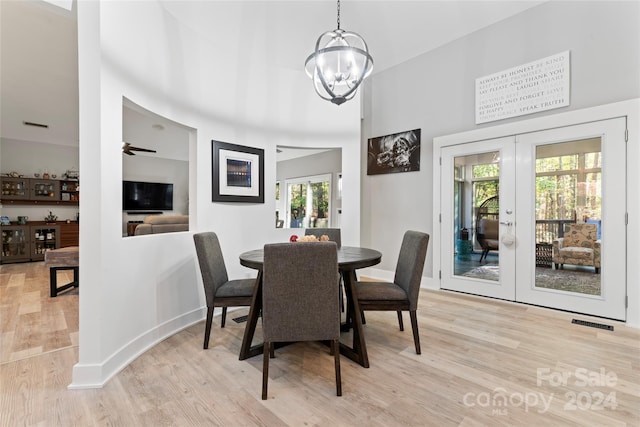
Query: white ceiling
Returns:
{"type": "Point", "coordinates": [38, 67]}
{"type": "Point", "coordinates": [287, 153]}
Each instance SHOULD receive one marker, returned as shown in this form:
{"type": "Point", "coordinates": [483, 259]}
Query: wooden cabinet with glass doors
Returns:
{"type": "Point", "coordinates": [22, 243]}
{"type": "Point", "coordinates": [15, 188]}
{"type": "Point", "coordinates": [16, 245]}
{"type": "Point", "coordinates": [35, 191]}
{"type": "Point", "coordinates": [45, 190]}
{"type": "Point", "coordinates": [44, 238]}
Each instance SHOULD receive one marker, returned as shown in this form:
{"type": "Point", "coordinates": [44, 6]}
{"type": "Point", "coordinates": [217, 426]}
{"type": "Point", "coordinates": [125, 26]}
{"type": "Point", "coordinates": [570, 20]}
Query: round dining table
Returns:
{"type": "Point", "coordinates": [350, 258]}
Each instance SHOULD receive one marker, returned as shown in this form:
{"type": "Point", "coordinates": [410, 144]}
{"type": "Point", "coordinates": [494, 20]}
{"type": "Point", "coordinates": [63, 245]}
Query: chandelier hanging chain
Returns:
{"type": "Point", "coordinates": [338, 14]}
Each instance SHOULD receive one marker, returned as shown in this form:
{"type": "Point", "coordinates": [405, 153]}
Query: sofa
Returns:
{"type": "Point", "coordinates": [155, 224]}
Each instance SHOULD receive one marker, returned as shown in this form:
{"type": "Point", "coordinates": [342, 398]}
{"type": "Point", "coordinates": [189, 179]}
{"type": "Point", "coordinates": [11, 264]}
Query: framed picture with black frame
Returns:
{"type": "Point", "coordinates": [237, 173]}
{"type": "Point", "coordinates": [398, 152]}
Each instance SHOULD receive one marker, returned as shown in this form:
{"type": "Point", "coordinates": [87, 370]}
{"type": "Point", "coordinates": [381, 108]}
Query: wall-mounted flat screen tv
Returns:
{"type": "Point", "coordinates": [146, 196]}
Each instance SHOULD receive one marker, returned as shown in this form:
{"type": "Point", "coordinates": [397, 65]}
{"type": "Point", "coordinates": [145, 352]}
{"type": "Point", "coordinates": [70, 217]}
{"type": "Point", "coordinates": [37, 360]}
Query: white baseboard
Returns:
{"type": "Point", "coordinates": [387, 276]}
{"type": "Point", "coordinates": [97, 375]}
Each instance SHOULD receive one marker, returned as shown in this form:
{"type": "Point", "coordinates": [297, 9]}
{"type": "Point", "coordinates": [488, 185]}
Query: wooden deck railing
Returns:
{"type": "Point", "coordinates": [547, 230]}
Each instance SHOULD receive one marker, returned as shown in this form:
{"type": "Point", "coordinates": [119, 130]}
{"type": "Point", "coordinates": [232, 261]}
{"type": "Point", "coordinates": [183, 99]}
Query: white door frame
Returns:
{"type": "Point", "coordinates": [630, 110]}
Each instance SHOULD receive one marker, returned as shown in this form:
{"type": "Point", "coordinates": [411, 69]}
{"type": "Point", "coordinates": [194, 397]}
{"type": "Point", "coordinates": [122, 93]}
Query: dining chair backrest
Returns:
{"type": "Point", "coordinates": [413, 252]}
{"type": "Point", "coordinates": [300, 300]}
{"type": "Point", "coordinates": [332, 233]}
{"type": "Point", "coordinates": [211, 260]}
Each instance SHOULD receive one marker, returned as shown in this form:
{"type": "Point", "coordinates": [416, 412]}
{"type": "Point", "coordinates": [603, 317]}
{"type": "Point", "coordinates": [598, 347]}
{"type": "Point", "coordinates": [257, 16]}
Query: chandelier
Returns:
{"type": "Point", "coordinates": [339, 64]}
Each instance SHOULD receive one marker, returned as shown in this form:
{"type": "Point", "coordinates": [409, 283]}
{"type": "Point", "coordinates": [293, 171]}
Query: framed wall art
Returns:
{"type": "Point", "coordinates": [237, 173]}
{"type": "Point", "coordinates": [399, 152]}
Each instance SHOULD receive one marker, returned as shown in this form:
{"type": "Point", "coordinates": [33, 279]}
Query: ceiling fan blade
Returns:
{"type": "Point", "coordinates": [146, 150]}
{"type": "Point", "coordinates": [128, 148]}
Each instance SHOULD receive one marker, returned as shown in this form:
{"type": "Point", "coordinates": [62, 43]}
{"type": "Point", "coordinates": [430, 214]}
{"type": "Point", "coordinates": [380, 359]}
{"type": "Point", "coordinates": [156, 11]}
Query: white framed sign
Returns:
{"type": "Point", "coordinates": [530, 88]}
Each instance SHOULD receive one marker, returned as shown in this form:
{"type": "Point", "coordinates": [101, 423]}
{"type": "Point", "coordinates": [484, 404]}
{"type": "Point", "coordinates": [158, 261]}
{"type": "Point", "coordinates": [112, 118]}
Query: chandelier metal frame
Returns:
{"type": "Point", "coordinates": [353, 62]}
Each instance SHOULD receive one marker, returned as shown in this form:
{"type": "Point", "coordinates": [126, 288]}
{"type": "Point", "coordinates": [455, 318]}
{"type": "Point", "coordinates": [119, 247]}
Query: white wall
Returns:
{"type": "Point", "coordinates": [435, 92]}
{"type": "Point", "coordinates": [135, 292]}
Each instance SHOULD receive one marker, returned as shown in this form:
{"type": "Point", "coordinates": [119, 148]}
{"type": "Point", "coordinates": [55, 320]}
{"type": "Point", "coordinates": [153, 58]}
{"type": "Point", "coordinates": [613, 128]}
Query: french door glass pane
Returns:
{"type": "Point", "coordinates": [568, 224]}
{"type": "Point", "coordinates": [476, 207]}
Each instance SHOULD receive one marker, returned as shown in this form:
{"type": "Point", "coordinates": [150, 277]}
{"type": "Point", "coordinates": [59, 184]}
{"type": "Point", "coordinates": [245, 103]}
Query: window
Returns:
{"type": "Point", "coordinates": [308, 202]}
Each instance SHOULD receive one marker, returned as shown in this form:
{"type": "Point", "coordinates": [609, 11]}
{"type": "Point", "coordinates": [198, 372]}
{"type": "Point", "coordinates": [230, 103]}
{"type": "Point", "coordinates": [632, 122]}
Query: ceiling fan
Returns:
{"type": "Point", "coordinates": [128, 149]}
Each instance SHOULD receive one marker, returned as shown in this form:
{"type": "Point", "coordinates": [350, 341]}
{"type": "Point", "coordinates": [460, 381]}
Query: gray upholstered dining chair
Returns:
{"type": "Point", "coordinates": [219, 290]}
{"type": "Point", "coordinates": [300, 299]}
{"type": "Point", "coordinates": [402, 294]}
{"type": "Point", "coordinates": [332, 233]}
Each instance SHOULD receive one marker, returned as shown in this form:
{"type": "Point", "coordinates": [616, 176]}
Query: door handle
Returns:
{"type": "Point", "coordinates": [507, 223]}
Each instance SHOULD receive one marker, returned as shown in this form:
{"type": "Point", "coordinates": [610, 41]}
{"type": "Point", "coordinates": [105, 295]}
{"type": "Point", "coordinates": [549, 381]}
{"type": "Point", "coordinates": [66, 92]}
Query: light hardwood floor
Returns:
{"type": "Point", "coordinates": [483, 362]}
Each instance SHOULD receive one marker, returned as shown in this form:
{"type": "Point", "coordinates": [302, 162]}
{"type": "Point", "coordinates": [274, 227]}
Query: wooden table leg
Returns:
{"type": "Point", "coordinates": [53, 280]}
{"type": "Point", "coordinates": [358, 352]}
{"type": "Point", "coordinates": [246, 350]}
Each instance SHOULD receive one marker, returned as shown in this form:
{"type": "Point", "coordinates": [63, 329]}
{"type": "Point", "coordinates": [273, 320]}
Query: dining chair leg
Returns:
{"type": "Point", "coordinates": [335, 346]}
{"type": "Point", "coordinates": [224, 317]}
{"type": "Point", "coordinates": [265, 369]}
{"type": "Point", "coordinates": [207, 327]}
{"type": "Point", "coordinates": [414, 326]}
{"type": "Point", "coordinates": [400, 322]}
{"type": "Point", "coordinates": [340, 281]}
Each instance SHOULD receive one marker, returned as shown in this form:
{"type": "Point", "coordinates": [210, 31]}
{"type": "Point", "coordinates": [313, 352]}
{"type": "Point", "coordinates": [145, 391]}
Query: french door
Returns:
{"type": "Point", "coordinates": [508, 202]}
{"type": "Point", "coordinates": [462, 269]}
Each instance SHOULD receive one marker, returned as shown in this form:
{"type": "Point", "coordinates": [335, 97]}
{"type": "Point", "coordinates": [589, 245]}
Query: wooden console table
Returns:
{"type": "Point", "coordinates": [131, 228]}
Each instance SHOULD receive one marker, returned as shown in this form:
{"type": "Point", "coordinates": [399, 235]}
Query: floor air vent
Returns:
{"type": "Point", "coordinates": [592, 324]}
{"type": "Point", "coordinates": [241, 319]}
